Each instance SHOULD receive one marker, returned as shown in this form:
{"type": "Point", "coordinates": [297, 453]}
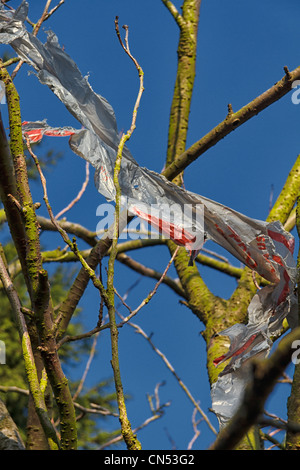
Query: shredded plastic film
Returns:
{"type": "Point", "coordinates": [185, 217]}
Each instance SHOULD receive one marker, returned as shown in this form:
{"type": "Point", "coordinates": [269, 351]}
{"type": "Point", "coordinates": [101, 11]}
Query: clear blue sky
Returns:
{"type": "Point", "coordinates": [243, 47]}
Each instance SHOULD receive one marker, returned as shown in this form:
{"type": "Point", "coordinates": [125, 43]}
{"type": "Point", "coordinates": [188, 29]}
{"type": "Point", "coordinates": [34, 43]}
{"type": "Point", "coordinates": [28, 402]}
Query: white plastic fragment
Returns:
{"type": "Point", "coordinates": [264, 247]}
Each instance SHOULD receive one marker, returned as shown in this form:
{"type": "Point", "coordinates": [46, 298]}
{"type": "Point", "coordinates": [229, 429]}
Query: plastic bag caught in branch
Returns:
{"type": "Point", "coordinates": [185, 217]}
{"type": "Point", "coordinates": [35, 131]}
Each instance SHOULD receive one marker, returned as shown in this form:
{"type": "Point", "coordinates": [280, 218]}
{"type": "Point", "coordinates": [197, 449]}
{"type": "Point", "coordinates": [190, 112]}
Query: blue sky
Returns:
{"type": "Point", "coordinates": [243, 47]}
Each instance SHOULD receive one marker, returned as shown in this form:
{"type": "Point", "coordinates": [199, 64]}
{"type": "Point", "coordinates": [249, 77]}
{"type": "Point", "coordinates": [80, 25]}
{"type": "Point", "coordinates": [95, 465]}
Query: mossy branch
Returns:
{"type": "Point", "coordinates": [288, 195]}
{"type": "Point", "coordinates": [129, 438]}
{"type": "Point", "coordinates": [31, 371]}
{"type": "Point", "coordinates": [293, 439]}
{"type": "Point", "coordinates": [264, 376]}
{"type": "Point", "coordinates": [185, 77]}
{"type": "Point", "coordinates": [37, 281]}
{"type": "Point", "coordinates": [199, 297]}
{"type": "Point", "coordinates": [231, 122]}
{"type": "Point", "coordinates": [175, 13]}
{"type": "Point", "coordinates": [72, 244]}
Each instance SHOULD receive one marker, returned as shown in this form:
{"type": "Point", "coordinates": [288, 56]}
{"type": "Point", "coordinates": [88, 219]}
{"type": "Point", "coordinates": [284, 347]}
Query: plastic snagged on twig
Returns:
{"type": "Point", "coordinates": [183, 216]}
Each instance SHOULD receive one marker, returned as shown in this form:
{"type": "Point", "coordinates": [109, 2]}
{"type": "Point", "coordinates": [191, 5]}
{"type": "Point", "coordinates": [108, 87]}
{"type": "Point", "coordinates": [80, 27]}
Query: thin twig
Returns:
{"type": "Point", "coordinates": [127, 433]}
{"type": "Point", "coordinates": [95, 409]}
{"type": "Point", "coordinates": [62, 232]}
{"type": "Point", "coordinates": [175, 13]}
{"type": "Point", "coordinates": [8, 6]}
{"type": "Point", "coordinates": [69, 338]}
{"type": "Point", "coordinates": [87, 367]}
{"type": "Point", "coordinates": [268, 437]}
{"type": "Point", "coordinates": [151, 294]}
{"type": "Point", "coordinates": [196, 430]}
{"type": "Point", "coordinates": [79, 195]}
{"type": "Point", "coordinates": [285, 379]}
{"type": "Point", "coordinates": [157, 413]}
{"type": "Point", "coordinates": [171, 368]}
{"type": "Point", "coordinates": [149, 272]}
{"type": "Point", "coordinates": [14, 389]}
{"type": "Point", "coordinates": [42, 18]}
{"type": "Point", "coordinates": [54, 9]}
{"type": "Point", "coordinates": [215, 255]}
{"type": "Point", "coordinates": [138, 67]}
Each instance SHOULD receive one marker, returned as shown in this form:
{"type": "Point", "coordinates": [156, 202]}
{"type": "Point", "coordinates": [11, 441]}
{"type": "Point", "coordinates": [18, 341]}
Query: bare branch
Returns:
{"type": "Point", "coordinates": [151, 294]}
{"type": "Point", "coordinates": [32, 376]}
{"type": "Point", "coordinates": [96, 409]}
{"type": "Point", "coordinates": [171, 368]}
{"type": "Point", "coordinates": [175, 13]}
{"type": "Point", "coordinates": [63, 233]}
{"type": "Point", "coordinates": [127, 433]}
{"type": "Point", "coordinates": [196, 430]}
{"type": "Point", "coordinates": [157, 413]}
{"type": "Point", "coordinates": [14, 389]}
{"type": "Point", "coordinates": [73, 228]}
{"type": "Point", "coordinates": [42, 18]}
{"type": "Point", "coordinates": [149, 272]}
{"type": "Point", "coordinates": [54, 10]}
{"type": "Point", "coordinates": [79, 195]}
{"type": "Point", "coordinates": [230, 123]}
{"type": "Point", "coordinates": [87, 367]}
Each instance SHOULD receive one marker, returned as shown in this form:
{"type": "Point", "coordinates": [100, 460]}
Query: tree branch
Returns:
{"type": "Point", "coordinates": [174, 373]}
{"type": "Point", "coordinates": [175, 13]}
{"type": "Point", "coordinates": [230, 123]}
{"type": "Point", "coordinates": [288, 196]}
{"type": "Point", "coordinates": [200, 299]}
{"type": "Point", "coordinates": [38, 285]}
{"type": "Point", "coordinates": [32, 374]}
{"type": "Point", "coordinates": [149, 272]}
{"type": "Point", "coordinates": [185, 77]}
{"type": "Point", "coordinates": [157, 412]}
{"type": "Point", "coordinates": [78, 230]}
{"type": "Point", "coordinates": [80, 193]}
{"type": "Point", "coordinates": [293, 439]}
{"type": "Point", "coordinates": [150, 295]}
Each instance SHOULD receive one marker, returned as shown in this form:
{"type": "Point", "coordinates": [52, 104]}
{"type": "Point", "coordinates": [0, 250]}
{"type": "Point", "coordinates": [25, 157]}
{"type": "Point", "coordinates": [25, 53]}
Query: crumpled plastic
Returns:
{"type": "Point", "coordinates": [187, 218]}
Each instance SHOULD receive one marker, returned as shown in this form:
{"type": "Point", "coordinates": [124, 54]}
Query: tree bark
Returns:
{"type": "Point", "coordinates": [10, 438]}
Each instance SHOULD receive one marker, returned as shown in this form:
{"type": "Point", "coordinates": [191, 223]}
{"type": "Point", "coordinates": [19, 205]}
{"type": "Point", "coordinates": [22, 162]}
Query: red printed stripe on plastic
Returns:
{"type": "Point", "coordinates": [237, 352]}
{"type": "Point", "coordinates": [179, 235]}
{"type": "Point", "coordinates": [279, 237]}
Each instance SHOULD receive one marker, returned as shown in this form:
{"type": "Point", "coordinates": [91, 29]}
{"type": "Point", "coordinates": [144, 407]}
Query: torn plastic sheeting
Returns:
{"type": "Point", "coordinates": [264, 247]}
{"type": "Point", "coordinates": [255, 243]}
{"type": "Point", "coordinates": [246, 341]}
{"type": "Point", "coordinates": [35, 131]}
{"type": "Point", "coordinates": [99, 142]}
